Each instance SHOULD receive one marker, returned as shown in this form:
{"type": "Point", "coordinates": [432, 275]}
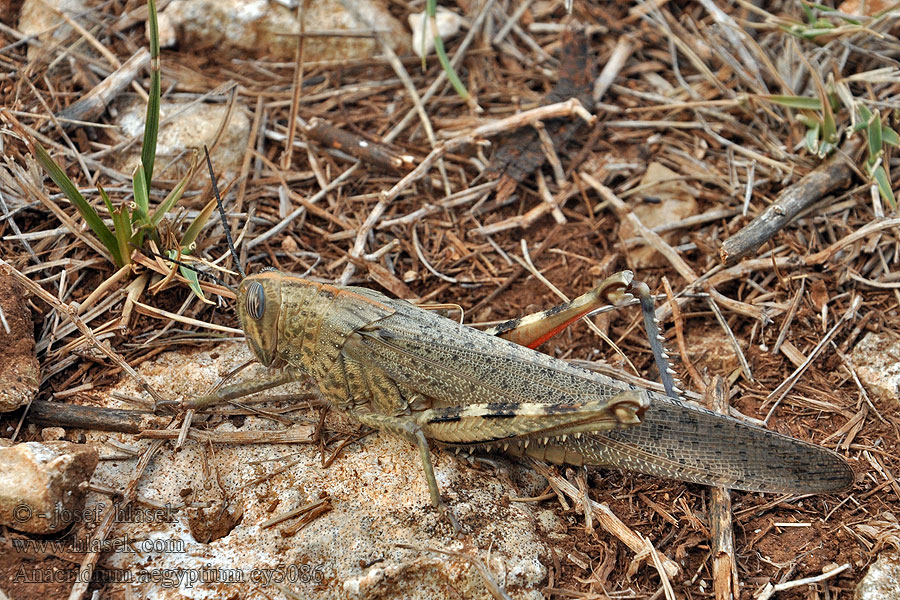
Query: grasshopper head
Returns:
{"type": "Point", "coordinates": [258, 307]}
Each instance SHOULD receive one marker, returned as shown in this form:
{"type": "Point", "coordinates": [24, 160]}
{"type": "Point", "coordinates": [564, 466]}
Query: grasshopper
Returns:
{"type": "Point", "coordinates": [407, 371]}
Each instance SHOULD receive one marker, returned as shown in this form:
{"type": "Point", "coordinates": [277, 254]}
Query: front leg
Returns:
{"type": "Point", "coordinates": [245, 388]}
{"type": "Point", "coordinates": [406, 427]}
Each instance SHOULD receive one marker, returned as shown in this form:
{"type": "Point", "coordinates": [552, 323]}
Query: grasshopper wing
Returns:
{"type": "Point", "coordinates": [681, 441]}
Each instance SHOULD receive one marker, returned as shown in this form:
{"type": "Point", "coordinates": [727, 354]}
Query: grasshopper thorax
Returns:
{"type": "Point", "coordinates": [258, 308]}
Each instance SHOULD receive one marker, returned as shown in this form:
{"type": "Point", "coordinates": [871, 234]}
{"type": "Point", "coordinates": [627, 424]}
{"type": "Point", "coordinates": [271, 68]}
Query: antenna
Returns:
{"type": "Point", "coordinates": [199, 272]}
{"type": "Point", "coordinates": [212, 178]}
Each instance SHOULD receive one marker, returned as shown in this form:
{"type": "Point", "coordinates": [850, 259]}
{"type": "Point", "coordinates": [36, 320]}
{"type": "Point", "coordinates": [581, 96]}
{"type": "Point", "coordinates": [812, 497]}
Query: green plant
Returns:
{"type": "Point", "coordinates": [817, 116]}
{"type": "Point", "coordinates": [133, 224]}
{"type": "Point", "coordinates": [877, 136]}
{"type": "Point", "coordinates": [823, 133]}
{"type": "Point", "coordinates": [452, 77]}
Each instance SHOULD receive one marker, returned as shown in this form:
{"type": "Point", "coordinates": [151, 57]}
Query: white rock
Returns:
{"type": "Point", "coordinates": [448, 24]}
{"type": "Point", "coordinates": [39, 18]}
{"type": "Point", "coordinates": [40, 484]}
{"type": "Point", "coordinates": [52, 434]}
{"type": "Point", "coordinates": [379, 500]}
{"type": "Point", "coordinates": [269, 29]}
{"type": "Point", "coordinates": [674, 201]}
{"type": "Point", "coordinates": [882, 581]}
{"type": "Point", "coordinates": [710, 349]}
{"type": "Point", "coordinates": [877, 361]}
{"type": "Point", "coordinates": [192, 126]}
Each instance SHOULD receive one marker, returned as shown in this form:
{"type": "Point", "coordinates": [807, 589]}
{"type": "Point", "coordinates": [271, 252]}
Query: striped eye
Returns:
{"type": "Point", "coordinates": [256, 301]}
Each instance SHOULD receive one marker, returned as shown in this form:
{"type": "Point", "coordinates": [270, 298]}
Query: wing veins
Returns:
{"type": "Point", "coordinates": [572, 396]}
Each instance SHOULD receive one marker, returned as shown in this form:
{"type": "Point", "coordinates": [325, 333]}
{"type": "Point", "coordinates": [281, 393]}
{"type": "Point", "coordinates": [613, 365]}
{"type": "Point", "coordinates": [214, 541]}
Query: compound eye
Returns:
{"type": "Point", "coordinates": [256, 301]}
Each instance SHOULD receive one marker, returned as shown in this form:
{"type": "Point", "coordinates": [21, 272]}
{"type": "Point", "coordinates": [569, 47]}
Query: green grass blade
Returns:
{"type": "Point", "coordinates": [71, 192]}
{"type": "Point", "coordinates": [197, 224]}
{"type": "Point", "coordinates": [800, 102]}
{"type": "Point", "coordinates": [452, 77]}
{"type": "Point", "coordinates": [884, 186]}
{"type": "Point", "coordinates": [174, 196]}
{"type": "Point", "coordinates": [122, 224]}
{"type": "Point", "coordinates": [829, 124]}
{"type": "Point", "coordinates": [105, 198]}
{"type": "Point", "coordinates": [193, 282]}
{"type": "Point", "coordinates": [831, 12]}
{"type": "Point", "coordinates": [151, 122]}
{"type": "Point", "coordinates": [190, 275]}
{"type": "Point", "coordinates": [889, 136]}
{"type": "Point", "coordinates": [863, 116]}
{"type": "Point", "coordinates": [141, 194]}
{"type": "Point", "coordinates": [873, 132]}
{"type": "Point", "coordinates": [864, 113]}
{"type": "Point", "coordinates": [808, 12]}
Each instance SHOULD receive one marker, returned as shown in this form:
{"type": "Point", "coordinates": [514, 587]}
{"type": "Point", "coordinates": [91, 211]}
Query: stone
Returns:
{"type": "Point", "coordinates": [39, 18]}
{"type": "Point", "coordinates": [52, 434]}
{"type": "Point", "coordinates": [378, 501]}
{"type": "Point", "coordinates": [882, 580]}
{"type": "Point", "coordinates": [41, 484]}
{"type": "Point", "coordinates": [709, 349]}
{"type": "Point", "coordinates": [877, 361]}
{"type": "Point", "coordinates": [270, 29]}
{"type": "Point", "coordinates": [673, 200]}
{"type": "Point", "coordinates": [864, 7]}
{"type": "Point", "coordinates": [448, 24]}
{"type": "Point", "coordinates": [192, 126]}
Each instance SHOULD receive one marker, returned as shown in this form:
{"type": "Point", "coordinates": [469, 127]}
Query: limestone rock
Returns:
{"type": "Point", "coordinates": [39, 18]}
{"type": "Point", "coordinates": [877, 361]}
{"type": "Point", "coordinates": [710, 350]}
{"type": "Point", "coordinates": [672, 201]}
{"type": "Point", "coordinates": [192, 126]}
{"type": "Point", "coordinates": [376, 490]}
{"type": "Point", "coordinates": [881, 580]}
{"type": "Point", "coordinates": [448, 24]}
{"type": "Point", "coordinates": [270, 29]}
{"type": "Point", "coordinates": [864, 7]}
{"type": "Point", "coordinates": [40, 484]}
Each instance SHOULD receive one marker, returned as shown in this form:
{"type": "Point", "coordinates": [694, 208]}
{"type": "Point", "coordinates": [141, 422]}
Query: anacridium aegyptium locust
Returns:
{"type": "Point", "coordinates": [408, 371]}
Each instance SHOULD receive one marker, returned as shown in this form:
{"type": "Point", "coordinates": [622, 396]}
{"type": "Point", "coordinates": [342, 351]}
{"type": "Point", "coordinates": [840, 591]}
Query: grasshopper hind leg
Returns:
{"type": "Point", "coordinates": [533, 330]}
{"type": "Point", "coordinates": [553, 453]}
